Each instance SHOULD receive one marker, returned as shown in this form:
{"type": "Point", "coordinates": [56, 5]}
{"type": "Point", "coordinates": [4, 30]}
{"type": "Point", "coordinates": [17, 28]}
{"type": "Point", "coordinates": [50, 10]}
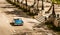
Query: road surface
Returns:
{"type": "Point", "coordinates": [7, 13]}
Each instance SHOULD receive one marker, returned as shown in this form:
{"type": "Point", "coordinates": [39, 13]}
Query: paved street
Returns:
{"type": "Point", "coordinates": [9, 12]}
{"type": "Point", "coordinates": [5, 27]}
{"type": "Point", "coordinates": [6, 17]}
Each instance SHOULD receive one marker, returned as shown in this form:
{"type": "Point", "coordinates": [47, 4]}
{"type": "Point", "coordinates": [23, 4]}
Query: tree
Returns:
{"type": "Point", "coordinates": [22, 1]}
{"type": "Point", "coordinates": [33, 3]}
{"type": "Point", "coordinates": [42, 5]}
{"type": "Point", "coordinates": [53, 2]}
{"type": "Point", "coordinates": [17, 1]}
{"type": "Point", "coordinates": [37, 5]}
{"type": "Point", "coordinates": [56, 1]}
{"type": "Point", "coordinates": [14, 0]}
{"type": "Point", "coordinates": [53, 11]}
{"type": "Point", "coordinates": [26, 2]}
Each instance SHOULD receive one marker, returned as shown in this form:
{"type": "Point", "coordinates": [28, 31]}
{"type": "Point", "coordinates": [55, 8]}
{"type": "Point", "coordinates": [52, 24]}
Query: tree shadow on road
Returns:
{"type": "Point", "coordinates": [18, 13]}
{"type": "Point", "coordinates": [8, 7]}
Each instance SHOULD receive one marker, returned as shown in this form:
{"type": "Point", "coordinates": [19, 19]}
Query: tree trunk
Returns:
{"type": "Point", "coordinates": [33, 3]}
{"type": "Point", "coordinates": [53, 10]}
{"type": "Point", "coordinates": [37, 3]}
{"type": "Point", "coordinates": [26, 4]}
{"type": "Point", "coordinates": [14, 0]}
{"type": "Point", "coordinates": [49, 9]}
{"type": "Point", "coordinates": [22, 1]}
{"type": "Point", "coordinates": [17, 1]}
{"type": "Point", "coordinates": [42, 5]}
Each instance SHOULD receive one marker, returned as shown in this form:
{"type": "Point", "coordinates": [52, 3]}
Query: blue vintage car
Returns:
{"type": "Point", "coordinates": [18, 22]}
